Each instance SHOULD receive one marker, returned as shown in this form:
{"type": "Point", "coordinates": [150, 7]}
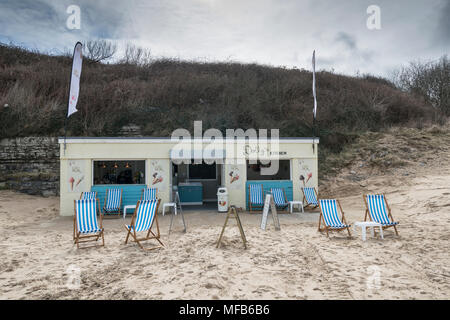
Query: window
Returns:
{"type": "Point", "coordinates": [119, 172]}
{"type": "Point", "coordinates": [254, 171]}
{"type": "Point", "coordinates": [202, 171]}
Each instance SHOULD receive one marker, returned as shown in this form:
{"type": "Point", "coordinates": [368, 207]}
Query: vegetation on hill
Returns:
{"type": "Point", "coordinates": [165, 94]}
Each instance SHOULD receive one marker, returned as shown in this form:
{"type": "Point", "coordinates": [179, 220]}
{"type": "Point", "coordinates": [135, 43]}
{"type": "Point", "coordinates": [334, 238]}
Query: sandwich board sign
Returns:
{"type": "Point", "coordinates": [233, 214]}
{"type": "Point", "coordinates": [180, 210]}
{"type": "Point", "coordinates": [269, 203]}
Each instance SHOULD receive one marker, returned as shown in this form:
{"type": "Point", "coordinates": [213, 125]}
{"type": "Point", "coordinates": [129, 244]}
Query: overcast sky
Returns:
{"type": "Point", "coordinates": [274, 32]}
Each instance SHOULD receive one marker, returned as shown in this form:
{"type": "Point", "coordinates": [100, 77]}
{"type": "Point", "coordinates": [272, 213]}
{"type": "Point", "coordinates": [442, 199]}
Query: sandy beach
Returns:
{"type": "Point", "coordinates": [298, 262]}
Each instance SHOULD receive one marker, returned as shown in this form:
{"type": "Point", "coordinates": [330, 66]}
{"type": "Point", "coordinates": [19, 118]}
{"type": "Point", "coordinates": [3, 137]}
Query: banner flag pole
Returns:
{"type": "Point", "coordinates": [74, 86]}
{"type": "Point", "coordinates": [315, 98]}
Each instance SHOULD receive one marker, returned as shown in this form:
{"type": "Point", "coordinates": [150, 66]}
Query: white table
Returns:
{"type": "Point", "coordinates": [168, 205]}
{"type": "Point", "coordinates": [295, 203]}
{"type": "Point", "coordinates": [132, 206]}
{"type": "Point", "coordinates": [368, 224]}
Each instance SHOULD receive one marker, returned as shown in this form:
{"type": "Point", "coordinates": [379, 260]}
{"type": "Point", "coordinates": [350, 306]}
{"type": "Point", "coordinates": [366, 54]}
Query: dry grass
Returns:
{"type": "Point", "coordinates": [391, 149]}
{"type": "Point", "coordinates": [168, 94]}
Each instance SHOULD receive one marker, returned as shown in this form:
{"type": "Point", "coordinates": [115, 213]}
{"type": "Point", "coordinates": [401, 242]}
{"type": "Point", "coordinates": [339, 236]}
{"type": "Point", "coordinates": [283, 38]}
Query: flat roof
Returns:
{"type": "Point", "coordinates": [166, 139]}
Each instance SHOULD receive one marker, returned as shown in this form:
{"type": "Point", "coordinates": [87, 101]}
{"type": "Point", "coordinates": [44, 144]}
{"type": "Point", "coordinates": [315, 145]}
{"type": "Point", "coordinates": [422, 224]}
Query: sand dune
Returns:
{"type": "Point", "coordinates": [295, 263]}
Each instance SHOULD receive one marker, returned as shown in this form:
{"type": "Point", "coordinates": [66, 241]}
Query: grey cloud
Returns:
{"type": "Point", "coordinates": [269, 32]}
{"type": "Point", "coordinates": [444, 23]}
{"type": "Point", "coordinates": [347, 39]}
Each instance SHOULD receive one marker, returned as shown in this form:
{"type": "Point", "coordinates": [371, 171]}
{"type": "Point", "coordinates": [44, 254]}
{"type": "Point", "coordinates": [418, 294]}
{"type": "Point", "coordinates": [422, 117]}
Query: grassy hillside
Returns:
{"type": "Point", "coordinates": [394, 158]}
{"type": "Point", "coordinates": [169, 94]}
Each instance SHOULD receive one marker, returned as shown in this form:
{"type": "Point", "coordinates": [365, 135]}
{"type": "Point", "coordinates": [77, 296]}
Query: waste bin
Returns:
{"type": "Point", "coordinates": [222, 199]}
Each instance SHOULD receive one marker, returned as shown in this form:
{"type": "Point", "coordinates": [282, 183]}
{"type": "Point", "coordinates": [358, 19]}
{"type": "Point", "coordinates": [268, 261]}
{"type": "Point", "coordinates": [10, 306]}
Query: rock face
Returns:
{"type": "Point", "coordinates": [130, 130]}
{"type": "Point", "coordinates": [30, 165]}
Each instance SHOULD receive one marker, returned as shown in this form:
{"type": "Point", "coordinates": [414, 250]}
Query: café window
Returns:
{"type": "Point", "coordinates": [203, 171]}
{"type": "Point", "coordinates": [283, 173]}
{"type": "Point", "coordinates": [119, 172]}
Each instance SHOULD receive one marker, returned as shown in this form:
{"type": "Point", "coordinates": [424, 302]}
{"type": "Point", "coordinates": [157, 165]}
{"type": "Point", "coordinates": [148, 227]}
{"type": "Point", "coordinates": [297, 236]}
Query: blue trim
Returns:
{"type": "Point", "coordinates": [131, 193]}
{"type": "Point", "coordinates": [287, 185]}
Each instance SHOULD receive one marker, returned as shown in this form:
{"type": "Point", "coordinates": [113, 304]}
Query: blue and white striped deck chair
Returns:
{"type": "Point", "coordinates": [149, 194]}
{"type": "Point", "coordinates": [88, 195]}
{"type": "Point", "coordinates": [255, 196]}
{"type": "Point", "coordinates": [144, 217]}
{"type": "Point", "coordinates": [329, 216]}
{"type": "Point", "coordinates": [310, 197]}
{"type": "Point", "coordinates": [113, 201]}
{"type": "Point", "coordinates": [379, 211]}
{"type": "Point", "coordinates": [86, 227]}
{"type": "Point", "coordinates": [279, 197]}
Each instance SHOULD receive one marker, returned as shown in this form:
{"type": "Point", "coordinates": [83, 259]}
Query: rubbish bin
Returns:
{"type": "Point", "coordinates": [222, 199]}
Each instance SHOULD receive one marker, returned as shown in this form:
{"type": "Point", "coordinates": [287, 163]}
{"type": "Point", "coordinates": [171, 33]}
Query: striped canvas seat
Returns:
{"type": "Point", "coordinates": [330, 214]}
{"type": "Point", "coordinates": [113, 199]}
{"type": "Point", "coordinates": [256, 194]}
{"type": "Point", "coordinates": [86, 216]}
{"type": "Point", "coordinates": [149, 194]}
{"type": "Point", "coordinates": [144, 215]}
{"type": "Point", "coordinates": [88, 195]}
{"type": "Point", "coordinates": [377, 209]}
{"type": "Point", "coordinates": [279, 197]}
{"type": "Point", "coordinates": [310, 196]}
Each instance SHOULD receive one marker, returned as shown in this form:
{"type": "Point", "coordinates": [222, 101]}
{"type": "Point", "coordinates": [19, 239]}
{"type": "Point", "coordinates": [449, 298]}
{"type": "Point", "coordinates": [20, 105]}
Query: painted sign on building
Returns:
{"type": "Point", "coordinates": [158, 174]}
{"type": "Point", "coordinates": [235, 176]}
{"type": "Point", "coordinates": [306, 175]}
{"type": "Point", "coordinates": [76, 176]}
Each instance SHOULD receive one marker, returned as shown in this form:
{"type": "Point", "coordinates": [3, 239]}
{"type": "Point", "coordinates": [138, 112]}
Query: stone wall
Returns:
{"type": "Point", "coordinates": [30, 165]}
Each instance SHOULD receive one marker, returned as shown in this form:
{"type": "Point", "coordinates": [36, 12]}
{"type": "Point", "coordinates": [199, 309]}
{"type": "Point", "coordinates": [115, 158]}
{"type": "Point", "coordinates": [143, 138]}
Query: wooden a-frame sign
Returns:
{"type": "Point", "coordinates": [233, 213]}
{"type": "Point", "coordinates": [269, 203]}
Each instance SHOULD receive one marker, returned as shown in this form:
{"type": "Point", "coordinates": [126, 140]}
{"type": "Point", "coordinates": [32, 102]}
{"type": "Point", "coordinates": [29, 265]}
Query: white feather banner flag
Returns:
{"type": "Point", "coordinates": [75, 78]}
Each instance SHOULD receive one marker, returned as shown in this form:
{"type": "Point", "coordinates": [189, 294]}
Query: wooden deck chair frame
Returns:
{"type": "Point", "coordinates": [79, 238]}
{"type": "Point", "coordinates": [81, 195]}
{"type": "Point", "coordinates": [387, 207]}
{"type": "Point", "coordinates": [313, 206]}
{"type": "Point", "coordinates": [327, 228]}
{"type": "Point", "coordinates": [150, 234]}
{"type": "Point", "coordinates": [143, 190]}
{"type": "Point", "coordinates": [109, 214]}
{"type": "Point", "coordinates": [259, 207]}
{"type": "Point", "coordinates": [286, 205]}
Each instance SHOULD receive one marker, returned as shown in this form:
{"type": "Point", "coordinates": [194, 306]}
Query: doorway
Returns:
{"type": "Point", "coordinates": [197, 183]}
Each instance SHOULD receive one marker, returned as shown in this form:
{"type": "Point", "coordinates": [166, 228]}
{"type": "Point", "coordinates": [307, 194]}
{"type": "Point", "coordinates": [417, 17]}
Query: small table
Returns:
{"type": "Point", "coordinates": [125, 208]}
{"type": "Point", "coordinates": [295, 203]}
{"type": "Point", "coordinates": [368, 224]}
{"type": "Point", "coordinates": [168, 205]}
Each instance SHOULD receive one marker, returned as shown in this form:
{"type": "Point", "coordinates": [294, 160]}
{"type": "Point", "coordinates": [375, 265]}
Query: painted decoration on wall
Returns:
{"type": "Point", "coordinates": [306, 174]}
{"type": "Point", "coordinates": [158, 174]}
{"type": "Point", "coordinates": [76, 176]}
{"type": "Point", "coordinates": [234, 177]}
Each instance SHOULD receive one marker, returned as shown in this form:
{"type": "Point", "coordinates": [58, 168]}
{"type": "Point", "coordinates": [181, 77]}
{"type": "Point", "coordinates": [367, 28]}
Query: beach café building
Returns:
{"type": "Point", "coordinates": [196, 168]}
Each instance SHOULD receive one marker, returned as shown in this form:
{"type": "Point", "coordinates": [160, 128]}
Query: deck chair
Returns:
{"type": "Point", "coordinates": [310, 197]}
{"type": "Point", "coordinates": [149, 194]}
{"type": "Point", "coordinates": [88, 195]}
{"type": "Point", "coordinates": [113, 202]}
{"type": "Point", "coordinates": [86, 227]}
{"type": "Point", "coordinates": [279, 197]}
{"type": "Point", "coordinates": [330, 218]}
{"type": "Point", "coordinates": [255, 196]}
{"type": "Point", "coordinates": [376, 205]}
{"type": "Point", "coordinates": [145, 215]}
